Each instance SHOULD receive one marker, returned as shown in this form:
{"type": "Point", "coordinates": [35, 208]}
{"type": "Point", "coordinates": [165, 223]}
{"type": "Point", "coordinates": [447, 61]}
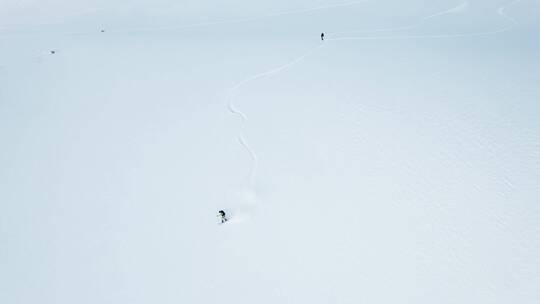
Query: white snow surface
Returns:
{"type": "Point", "coordinates": [398, 161]}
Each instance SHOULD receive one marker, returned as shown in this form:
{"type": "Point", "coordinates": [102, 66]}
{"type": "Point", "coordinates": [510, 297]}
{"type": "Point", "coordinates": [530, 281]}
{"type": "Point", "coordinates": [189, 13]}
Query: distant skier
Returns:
{"type": "Point", "coordinates": [222, 216]}
{"type": "Point", "coordinates": [322, 36]}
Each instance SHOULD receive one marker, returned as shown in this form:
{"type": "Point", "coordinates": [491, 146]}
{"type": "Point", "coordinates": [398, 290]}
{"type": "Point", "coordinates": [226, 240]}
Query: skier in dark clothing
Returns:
{"type": "Point", "coordinates": [222, 216]}
{"type": "Point", "coordinates": [322, 36]}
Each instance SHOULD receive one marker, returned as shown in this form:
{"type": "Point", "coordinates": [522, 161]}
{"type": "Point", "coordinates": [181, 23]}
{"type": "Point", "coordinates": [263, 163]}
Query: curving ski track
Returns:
{"type": "Point", "coordinates": [500, 12]}
{"type": "Point", "coordinates": [331, 36]}
{"type": "Point", "coordinates": [453, 10]}
{"type": "Point", "coordinates": [232, 21]}
{"type": "Point", "coordinates": [243, 117]}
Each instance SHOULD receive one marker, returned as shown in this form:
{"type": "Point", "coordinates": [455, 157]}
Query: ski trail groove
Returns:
{"type": "Point", "coordinates": [500, 11]}
{"type": "Point", "coordinates": [243, 117]}
{"type": "Point", "coordinates": [454, 10]}
{"type": "Point", "coordinates": [463, 6]}
{"type": "Point", "coordinates": [233, 21]}
{"type": "Point", "coordinates": [256, 18]}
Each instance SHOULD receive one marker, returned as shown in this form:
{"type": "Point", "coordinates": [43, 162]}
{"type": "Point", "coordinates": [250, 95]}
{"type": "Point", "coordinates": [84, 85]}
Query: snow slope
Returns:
{"type": "Point", "coordinates": [398, 161]}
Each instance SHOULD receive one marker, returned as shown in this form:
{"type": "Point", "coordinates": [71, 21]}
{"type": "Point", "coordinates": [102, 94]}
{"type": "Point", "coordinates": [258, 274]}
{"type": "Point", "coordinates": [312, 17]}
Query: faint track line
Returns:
{"type": "Point", "coordinates": [500, 11]}
{"type": "Point", "coordinates": [407, 27]}
{"type": "Point", "coordinates": [233, 21]}
{"type": "Point", "coordinates": [243, 117]}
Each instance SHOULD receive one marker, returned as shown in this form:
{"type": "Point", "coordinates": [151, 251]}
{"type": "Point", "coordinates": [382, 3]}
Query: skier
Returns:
{"type": "Point", "coordinates": [322, 36]}
{"type": "Point", "coordinates": [222, 216]}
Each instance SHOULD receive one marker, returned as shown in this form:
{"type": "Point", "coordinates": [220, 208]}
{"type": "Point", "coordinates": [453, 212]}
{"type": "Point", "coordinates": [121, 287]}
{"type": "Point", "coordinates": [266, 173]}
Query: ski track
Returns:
{"type": "Point", "coordinates": [456, 9]}
{"type": "Point", "coordinates": [72, 15]}
{"type": "Point", "coordinates": [243, 117]}
{"type": "Point", "coordinates": [212, 23]}
{"type": "Point", "coordinates": [500, 11]}
{"type": "Point", "coordinates": [262, 17]}
{"type": "Point", "coordinates": [233, 21]}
